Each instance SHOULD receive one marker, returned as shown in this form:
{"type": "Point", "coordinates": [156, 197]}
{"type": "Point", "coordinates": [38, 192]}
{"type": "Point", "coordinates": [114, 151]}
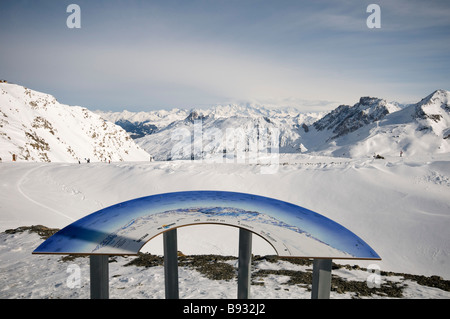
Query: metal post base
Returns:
{"type": "Point", "coordinates": [171, 264]}
{"type": "Point", "coordinates": [245, 262]}
{"type": "Point", "coordinates": [321, 281]}
{"type": "Point", "coordinates": [99, 271]}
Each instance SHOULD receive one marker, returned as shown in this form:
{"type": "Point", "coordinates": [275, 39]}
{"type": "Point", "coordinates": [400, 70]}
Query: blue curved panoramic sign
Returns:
{"type": "Point", "coordinates": [123, 229]}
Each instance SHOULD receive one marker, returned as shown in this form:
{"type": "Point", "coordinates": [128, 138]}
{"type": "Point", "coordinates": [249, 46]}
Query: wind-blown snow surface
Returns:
{"type": "Point", "coordinates": [399, 206]}
{"type": "Point", "coordinates": [35, 127]}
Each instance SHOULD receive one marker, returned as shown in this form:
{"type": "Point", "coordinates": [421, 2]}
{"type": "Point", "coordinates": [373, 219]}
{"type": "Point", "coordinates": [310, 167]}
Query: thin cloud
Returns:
{"type": "Point", "coordinates": [187, 52]}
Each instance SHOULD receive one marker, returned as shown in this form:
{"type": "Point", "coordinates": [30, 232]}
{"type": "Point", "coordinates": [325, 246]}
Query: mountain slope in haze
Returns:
{"type": "Point", "coordinates": [219, 132]}
{"type": "Point", "coordinates": [35, 127]}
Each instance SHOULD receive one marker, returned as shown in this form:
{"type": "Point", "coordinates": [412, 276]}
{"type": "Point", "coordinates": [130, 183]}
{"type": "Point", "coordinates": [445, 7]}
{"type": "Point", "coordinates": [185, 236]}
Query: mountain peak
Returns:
{"type": "Point", "coordinates": [441, 91]}
{"type": "Point", "coordinates": [370, 101]}
{"type": "Point", "coordinates": [443, 95]}
{"type": "Point", "coordinates": [346, 119]}
{"type": "Point", "coordinates": [433, 113]}
{"type": "Point", "coordinates": [438, 96]}
{"type": "Point", "coordinates": [194, 116]}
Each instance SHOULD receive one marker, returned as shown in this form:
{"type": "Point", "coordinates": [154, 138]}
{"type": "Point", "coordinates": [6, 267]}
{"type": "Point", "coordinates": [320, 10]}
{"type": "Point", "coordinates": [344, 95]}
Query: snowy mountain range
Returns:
{"type": "Point", "coordinates": [35, 127]}
{"type": "Point", "coordinates": [374, 126]}
{"type": "Point", "coordinates": [371, 126]}
{"type": "Point", "coordinates": [231, 129]}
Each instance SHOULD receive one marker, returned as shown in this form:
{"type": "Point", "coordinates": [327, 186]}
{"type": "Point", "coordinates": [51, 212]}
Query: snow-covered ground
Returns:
{"type": "Point", "coordinates": [47, 277]}
{"type": "Point", "coordinates": [399, 206]}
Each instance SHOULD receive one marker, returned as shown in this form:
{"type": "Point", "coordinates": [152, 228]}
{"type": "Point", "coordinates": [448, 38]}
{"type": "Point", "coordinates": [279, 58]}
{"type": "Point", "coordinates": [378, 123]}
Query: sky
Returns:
{"type": "Point", "coordinates": [162, 54]}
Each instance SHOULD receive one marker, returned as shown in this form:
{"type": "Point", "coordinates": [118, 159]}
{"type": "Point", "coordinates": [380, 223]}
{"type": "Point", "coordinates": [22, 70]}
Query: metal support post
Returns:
{"type": "Point", "coordinates": [245, 262]}
{"type": "Point", "coordinates": [321, 281]}
{"type": "Point", "coordinates": [99, 271]}
{"type": "Point", "coordinates": [171, 264]}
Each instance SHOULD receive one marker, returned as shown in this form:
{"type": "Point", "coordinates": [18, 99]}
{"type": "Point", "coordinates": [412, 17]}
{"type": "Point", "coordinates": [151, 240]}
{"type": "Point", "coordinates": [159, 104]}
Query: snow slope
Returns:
{"type": "Point", "coordinates": [399, 206]}
{"type": "Point", "coordinates": [36, 127]}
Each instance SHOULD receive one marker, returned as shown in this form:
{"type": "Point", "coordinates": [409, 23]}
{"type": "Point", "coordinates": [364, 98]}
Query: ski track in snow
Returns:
{"type": "Point", "coordinates": [20, 190]}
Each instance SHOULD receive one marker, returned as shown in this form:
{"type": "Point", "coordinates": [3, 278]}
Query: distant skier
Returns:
{"type": "Point", "coordinates": [401, 153]}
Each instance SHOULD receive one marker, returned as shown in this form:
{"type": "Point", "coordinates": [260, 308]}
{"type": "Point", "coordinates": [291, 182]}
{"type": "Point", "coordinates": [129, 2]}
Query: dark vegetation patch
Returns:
{"type": "Point", "coordinates": [146, 260]}
{"type": "Point", "coordinates": [212, 266]}
{"type": "Point", "coordinates": [217, 267]}
{"type": "Point", "coordinates": [42, 231]}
